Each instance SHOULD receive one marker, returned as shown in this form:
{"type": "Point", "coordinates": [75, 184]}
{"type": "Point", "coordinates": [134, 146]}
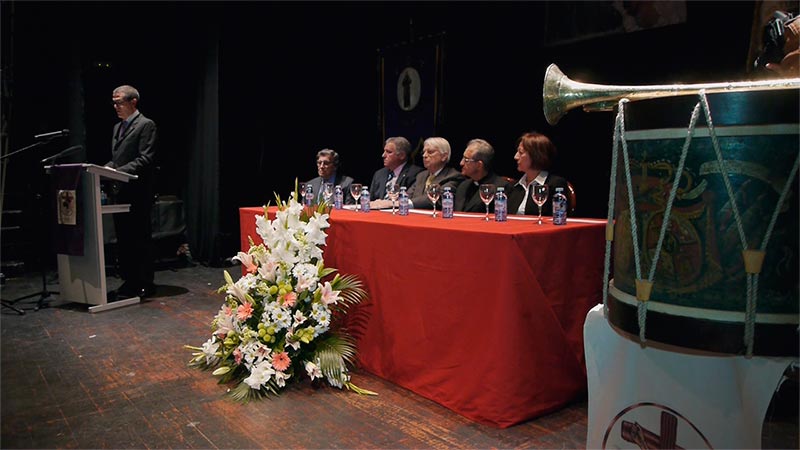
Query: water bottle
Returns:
{"type": "Point", "coordinates": [364, 199]}
{"type": "Point", "coordinates": [103, 197]}
{"type": "Point", "coordinates": [338, 197]}
{"type": "Point", "coordinates": [447, 203]}
{"type": "Point", "coordinates": [403, 201]}
{"type": "Point", "coordinates": [308, 198]}
{"type": "Point", "coordinates": [559, 207]}
{"type": "Point", "coordinates": [500, 205]}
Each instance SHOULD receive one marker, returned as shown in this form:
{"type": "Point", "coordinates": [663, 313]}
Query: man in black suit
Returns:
{"type": "Point", "coordinates": [133, 151]}
{"type": "Point", "coordinates": [328, 171]}
{"type": "Point", "coordinates": [397, 169]}
{"type": "Point", "coordinates": [476, 165]}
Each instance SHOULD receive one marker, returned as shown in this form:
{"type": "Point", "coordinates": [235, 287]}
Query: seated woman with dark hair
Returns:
{"type": "Point", "coordinates": [535, 155]}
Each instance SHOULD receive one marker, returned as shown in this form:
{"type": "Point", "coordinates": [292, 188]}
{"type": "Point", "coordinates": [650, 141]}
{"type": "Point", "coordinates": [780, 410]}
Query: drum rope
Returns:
{"type": "Point", "coordinates": [751, 295]}
{"type": "Point", "coordinates": [723, 167]}
{"type": "Point", "coordinates": [612, 189]}
{"type": "Point", "coordinates": [752, 278]}
{"type": "Point", "coordinates": [668, 210]}
{"type": "Point", "coordinates": [641, 306]}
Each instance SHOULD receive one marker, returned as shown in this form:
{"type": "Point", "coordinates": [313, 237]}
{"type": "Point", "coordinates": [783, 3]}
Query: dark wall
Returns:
{"type": "Point", "coordinates": [298, 77]}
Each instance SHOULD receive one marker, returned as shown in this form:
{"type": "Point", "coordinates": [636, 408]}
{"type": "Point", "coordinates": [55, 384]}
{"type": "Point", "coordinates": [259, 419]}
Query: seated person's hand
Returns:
{"type": "Point", "coordinates": [380, 204]}
{"type": "Point", "coordinates": [789, 65]}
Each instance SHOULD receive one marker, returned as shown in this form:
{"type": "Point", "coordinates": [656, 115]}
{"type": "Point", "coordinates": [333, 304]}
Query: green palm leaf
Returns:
{"type": "Point", "coordinates": [333, 353]}
{"type": "Point", "coordinates": [352, 290]}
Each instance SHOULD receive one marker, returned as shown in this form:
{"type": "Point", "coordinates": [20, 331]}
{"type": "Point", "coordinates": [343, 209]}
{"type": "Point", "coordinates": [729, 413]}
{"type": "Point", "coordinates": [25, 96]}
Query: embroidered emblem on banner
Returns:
{"type": "Point", "coordinates": [409, 89]}
{"type": "Point", "coordinates": [650, 425]}
{"type": "Point", "coordinates": [67, 207]}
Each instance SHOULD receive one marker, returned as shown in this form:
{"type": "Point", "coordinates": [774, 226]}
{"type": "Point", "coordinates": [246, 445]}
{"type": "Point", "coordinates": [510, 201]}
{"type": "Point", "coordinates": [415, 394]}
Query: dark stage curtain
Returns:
{"type": "Point", "coordinates": [202, 191]}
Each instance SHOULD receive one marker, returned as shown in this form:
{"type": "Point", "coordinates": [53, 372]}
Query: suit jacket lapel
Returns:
{"type": "Point", "coordinates": [127, 131]}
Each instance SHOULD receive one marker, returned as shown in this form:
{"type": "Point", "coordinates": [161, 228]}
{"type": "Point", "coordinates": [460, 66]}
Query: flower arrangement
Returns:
{"type": "Point", "coordinates": [279, 320]}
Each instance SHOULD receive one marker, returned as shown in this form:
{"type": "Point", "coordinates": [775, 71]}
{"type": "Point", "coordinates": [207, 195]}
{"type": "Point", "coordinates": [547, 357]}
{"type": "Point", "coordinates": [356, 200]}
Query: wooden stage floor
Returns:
{"type": "Point", "coordinates": [119, 379]}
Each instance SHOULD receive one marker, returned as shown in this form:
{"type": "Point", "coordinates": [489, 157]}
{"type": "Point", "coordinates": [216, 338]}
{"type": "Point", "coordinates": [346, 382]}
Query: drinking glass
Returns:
{"type": "Point", "coordinates": [393, 191]}
{"type": "Point", "coordinates": [487, 195]}
{"type": "Point", "coordinates": [302, 192]}
{"type": "Point", "coordinates": [434, 191]}
{"type": "Point", "coordinates": [327, 192]}
{"type": "Point", "coordinates": [539, 196]}
{"type": "Point", "coordinates": [355, 192]}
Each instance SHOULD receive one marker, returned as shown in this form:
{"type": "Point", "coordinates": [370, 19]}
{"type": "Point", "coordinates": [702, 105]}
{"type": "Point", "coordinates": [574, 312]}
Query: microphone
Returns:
{"type": "Point", "coordinates": [62, 153]}
{"type": "Point", "coordinates": [52, 135]}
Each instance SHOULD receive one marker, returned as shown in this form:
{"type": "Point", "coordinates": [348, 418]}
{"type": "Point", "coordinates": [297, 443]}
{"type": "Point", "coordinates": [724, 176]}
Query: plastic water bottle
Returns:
{"type": "Point", "coordinates": [338, 197]}
{"type": "Point", "coordinates": [403, 201]}
{"type": "Point", "coordinates": [364, 199]}
{"type": "Point", "coordinates": [103, 197]}
{"type": "Point", "coordinates": [500, 205]}
{"type": "Point", "coordinates": [308, 198]}
{"type": "Point", "coordinates": [559, 207]}
{"type": "Point", "coordinates": [447, 203]}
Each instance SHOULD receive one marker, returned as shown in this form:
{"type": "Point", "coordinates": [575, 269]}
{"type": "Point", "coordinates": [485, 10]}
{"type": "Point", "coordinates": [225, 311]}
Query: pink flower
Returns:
{"type": "Point", "coordinates": [243, 312]}
{"type": "Point", "coordinates": [247, 262]}
{"type": "Point", "coordinates": [237, 356]}
{"type": "Point", "coordinates": [289, 299]}
{"type": "Point", "coordinates": [227, 310]}
{"type": "Point", "coordinates": [281, 361]}
{"type": "Point", "coordinates": [328, 294]}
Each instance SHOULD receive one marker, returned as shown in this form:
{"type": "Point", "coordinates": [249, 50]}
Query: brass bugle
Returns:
{"type": "Point", "coordinates": [560, 94]}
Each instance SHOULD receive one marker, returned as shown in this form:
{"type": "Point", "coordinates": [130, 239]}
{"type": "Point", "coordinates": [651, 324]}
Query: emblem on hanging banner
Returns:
{"type": "Point", "coordinates": [67, 207]}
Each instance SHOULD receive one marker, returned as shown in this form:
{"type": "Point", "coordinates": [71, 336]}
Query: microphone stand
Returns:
{"type": "Point", "coordinates": [34, 145]}
{"type": "Point", "coordinates": [44, 294]}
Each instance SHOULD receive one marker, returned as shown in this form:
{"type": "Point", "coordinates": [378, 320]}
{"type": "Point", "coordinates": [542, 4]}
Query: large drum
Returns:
{"type": "Point", "coordinates": [698, 297]}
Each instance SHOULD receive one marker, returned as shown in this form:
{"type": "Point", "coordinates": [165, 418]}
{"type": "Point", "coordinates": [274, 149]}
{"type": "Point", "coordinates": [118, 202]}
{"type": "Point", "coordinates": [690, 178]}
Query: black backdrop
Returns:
{"type": "Point", "coordinates": [245, 93]}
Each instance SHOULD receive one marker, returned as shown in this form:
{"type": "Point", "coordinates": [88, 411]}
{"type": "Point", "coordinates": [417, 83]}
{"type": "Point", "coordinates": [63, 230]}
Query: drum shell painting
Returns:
{"type": "Point", "coordinates": [699, 288]}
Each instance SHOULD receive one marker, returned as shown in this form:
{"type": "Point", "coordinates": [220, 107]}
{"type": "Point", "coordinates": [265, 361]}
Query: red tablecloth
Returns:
{"type": "Point", "coordinates": [484, 318]}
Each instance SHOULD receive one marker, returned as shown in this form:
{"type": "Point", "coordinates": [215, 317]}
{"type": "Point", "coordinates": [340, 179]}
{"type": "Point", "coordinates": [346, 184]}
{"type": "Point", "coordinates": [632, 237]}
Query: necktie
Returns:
{"type": "Point", "coordinates": [122, 127]}
{"type": "Point", "coordinates": [389, 182]}
{"type": "Point", "coordinates": [429, 181]}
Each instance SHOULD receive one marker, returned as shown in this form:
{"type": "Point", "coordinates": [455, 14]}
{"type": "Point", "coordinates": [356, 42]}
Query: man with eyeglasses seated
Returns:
{"type": "Point", "coordinates": [328, 171]}
{"type": "Point", "coordinates": [397, 169]}
{"type": "Point", "coordinates": [476, 166]}
{"type": "Point", "coordinates": [435, 156]}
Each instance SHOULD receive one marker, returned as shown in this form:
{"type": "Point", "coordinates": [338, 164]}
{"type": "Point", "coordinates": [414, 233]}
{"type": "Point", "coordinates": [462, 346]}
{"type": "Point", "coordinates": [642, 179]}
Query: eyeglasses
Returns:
{"type": "Point", "coordinates": [324, 163]}
{"type": "Point", "coordinates": [119, 102]}
{"type": "Point", "coordinates": [469, 160]}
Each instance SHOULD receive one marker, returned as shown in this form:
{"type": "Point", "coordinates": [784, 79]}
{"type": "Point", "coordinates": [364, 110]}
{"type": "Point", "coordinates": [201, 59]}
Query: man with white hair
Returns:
{"type": "Point", "coordinates": [435, 156]}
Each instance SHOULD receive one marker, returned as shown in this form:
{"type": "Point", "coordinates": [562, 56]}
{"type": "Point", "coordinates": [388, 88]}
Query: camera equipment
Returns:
{"type": "Point", "coordinates": [774, 40]}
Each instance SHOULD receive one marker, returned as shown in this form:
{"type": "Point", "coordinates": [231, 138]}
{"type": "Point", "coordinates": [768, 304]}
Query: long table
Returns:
{"type": "Point", "coordinates": [484, 318]}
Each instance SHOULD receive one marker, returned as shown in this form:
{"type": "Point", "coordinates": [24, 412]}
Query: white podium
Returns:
{"type": "Point", "coordinates": [82, 279]}
{"type": "Point", "coordinates": [664, 396]}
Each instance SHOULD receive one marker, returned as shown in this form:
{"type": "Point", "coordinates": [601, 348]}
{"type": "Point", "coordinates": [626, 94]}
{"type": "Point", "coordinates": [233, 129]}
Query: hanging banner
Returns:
{"type": "Point", "coordinates": [68, 221]}
{"type": "Point", "coordinates": [411, 94]}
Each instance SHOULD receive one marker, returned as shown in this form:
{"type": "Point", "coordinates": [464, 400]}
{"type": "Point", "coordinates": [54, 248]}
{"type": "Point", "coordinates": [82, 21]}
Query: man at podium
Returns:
{"type": "Point", "coordinates": [133, 151]}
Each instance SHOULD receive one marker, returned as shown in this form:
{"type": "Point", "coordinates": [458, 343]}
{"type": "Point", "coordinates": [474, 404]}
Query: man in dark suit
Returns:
{"type": "Point", "coordinates": [476, 166]}
{"type": "Point", "coordinates": [328, 171]}
{"type": "Point", "coordinates": [133, 151]}
{"type": "Point", "coordinates": [397, 169]}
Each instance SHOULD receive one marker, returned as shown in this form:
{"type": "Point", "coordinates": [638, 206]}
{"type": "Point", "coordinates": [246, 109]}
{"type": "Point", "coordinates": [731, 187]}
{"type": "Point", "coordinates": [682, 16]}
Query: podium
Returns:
{"type": "Point", "coordinates": [82, 279]}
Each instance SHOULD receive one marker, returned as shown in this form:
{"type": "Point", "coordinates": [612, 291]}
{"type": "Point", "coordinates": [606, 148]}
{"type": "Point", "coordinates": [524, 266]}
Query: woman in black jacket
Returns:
{"type": "Point", "coordinates": [535, 155]}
